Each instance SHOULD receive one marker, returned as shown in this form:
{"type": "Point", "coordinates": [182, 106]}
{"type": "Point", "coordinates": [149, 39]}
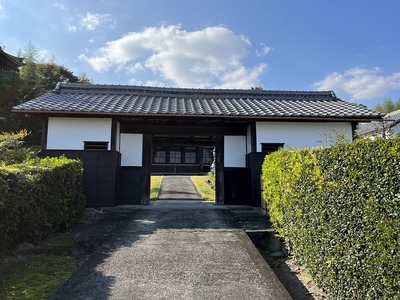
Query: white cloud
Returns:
{"type": "Point", "coordinates": [59, 5]}
{"type": "Point", "coordinates": [147, 83]}
{"type": "Point", "coordinates": [243, 78]}
{"type": "Point", "coordinates": [71, 28]}
{"type": "Point", "coordinates": [3, 15]}
{"type": "Point", "coordinates": [264, 50]}
{"type": "Point", "coordinates": [361, 83]}
{"type": "Point", "coordinates": [203, 58]}
{"type": "Point", "coordinates": [43, 54]}
{"type": "Point", "coordinates": [92, 21]}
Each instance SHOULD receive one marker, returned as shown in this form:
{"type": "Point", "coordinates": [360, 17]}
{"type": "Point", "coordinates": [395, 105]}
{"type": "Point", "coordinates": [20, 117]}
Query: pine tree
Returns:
{"type": "Point", "coordinates": [387, 105]}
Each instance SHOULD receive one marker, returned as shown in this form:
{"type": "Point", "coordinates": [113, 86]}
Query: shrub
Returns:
{"type": "Point", "coordinates": [38, 197]}
{"type": "Point", "coordinates": [11, 150]}
{"type": "Point", "coordinates": [338, 210]}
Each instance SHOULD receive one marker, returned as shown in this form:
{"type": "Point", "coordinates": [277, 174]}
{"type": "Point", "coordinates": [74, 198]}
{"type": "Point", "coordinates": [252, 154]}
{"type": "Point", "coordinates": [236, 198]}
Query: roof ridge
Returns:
{"type": "Point", "coordinates": [75, 87]}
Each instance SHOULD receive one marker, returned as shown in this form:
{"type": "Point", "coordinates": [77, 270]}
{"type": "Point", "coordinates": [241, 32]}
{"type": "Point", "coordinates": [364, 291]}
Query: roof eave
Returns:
{"type": "Point", "coordinates": [283, 117]}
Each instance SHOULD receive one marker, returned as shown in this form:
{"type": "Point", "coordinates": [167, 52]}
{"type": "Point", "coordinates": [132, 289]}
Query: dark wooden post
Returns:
{"type": "Point", "coordinates": [146, 168]}
{"type": "Point", "coordinates": [253, 137]}
{"type": "Point", "coordinates": [114, 129]}
{"type": "Point", "coordinates": [45, 128]}
{"type": "Point", "coordinates": [200, 158]}
{"type": "Point", "coordinates": [219, 169]}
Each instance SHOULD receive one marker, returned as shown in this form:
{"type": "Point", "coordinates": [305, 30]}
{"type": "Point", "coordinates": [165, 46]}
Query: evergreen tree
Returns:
{"type": "Point", "coordinates": [35, 78]}
{"type": "Point", "coordinates": [387, 105]}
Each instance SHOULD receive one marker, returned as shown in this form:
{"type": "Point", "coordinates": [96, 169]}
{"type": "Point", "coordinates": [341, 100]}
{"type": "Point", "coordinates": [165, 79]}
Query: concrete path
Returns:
{"type": "Point", "coordinates": [182, 249]}
{"type": "Point", "coordinates": [178, 187]}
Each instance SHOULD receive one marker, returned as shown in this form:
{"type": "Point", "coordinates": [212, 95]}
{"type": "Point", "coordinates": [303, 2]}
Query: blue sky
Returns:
{"type": "Point", "coordinates": [350, 47]}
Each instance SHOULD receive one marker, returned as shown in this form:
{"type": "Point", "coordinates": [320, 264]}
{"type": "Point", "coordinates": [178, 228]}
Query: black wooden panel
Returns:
{"type": "Point", "coordinates": [254, 162]}
{"type": "Point", "coordinates": [235, 186]}
{"type": "Point", "coordinates": [129, 185]}
{"type": "Point", "coordinates": [100, 172]}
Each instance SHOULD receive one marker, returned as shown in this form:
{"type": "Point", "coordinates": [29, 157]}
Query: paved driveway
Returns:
{"type": "Point", "coordinates": [176, 250]}
{"type": "Point", "coordinates": [178, 187]}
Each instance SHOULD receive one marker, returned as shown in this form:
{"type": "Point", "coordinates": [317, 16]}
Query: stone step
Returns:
{"type": "Point", "coordinates": [249, 215]}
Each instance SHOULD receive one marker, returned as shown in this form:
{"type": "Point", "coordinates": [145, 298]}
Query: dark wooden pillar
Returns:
{"type": "Point", "coordinates": [146, 168]}
{"type": "Point", "coordinates": [45, 128]}
{"type": "Point", "coordinates": [200, 158]}
{"type": "Point", "coordinates": [253, 137]}
{"type": "Point", "coordinates": [114, 129]}
{"type": "Point", "coordinates": [219, 169]}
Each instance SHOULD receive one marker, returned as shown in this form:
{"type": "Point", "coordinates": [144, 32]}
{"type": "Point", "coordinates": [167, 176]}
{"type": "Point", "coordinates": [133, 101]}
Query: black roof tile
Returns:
{"type": "Point", "coordinates": [138, 100]}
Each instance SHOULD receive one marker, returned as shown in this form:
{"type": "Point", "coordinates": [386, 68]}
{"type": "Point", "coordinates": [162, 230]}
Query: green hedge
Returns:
{"type": "Point", "coordinates": [338, 209]}
{"type": "Point", "coordinates": [38, 197]}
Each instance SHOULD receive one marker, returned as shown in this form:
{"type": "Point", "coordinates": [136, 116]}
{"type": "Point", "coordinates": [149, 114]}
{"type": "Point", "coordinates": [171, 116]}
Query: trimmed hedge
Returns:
{"type": "Point", "coordinates": [338, 209]}
{"type": "Point", "coordinates": [38, 198]}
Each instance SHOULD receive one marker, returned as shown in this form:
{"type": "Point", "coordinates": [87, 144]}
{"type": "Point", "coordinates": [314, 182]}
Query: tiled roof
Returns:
{"type": "Point", "coordinates": [9, 62]}
{"type": "Point", "coordinates": [156, 101]}
{"type": "Point", "coordinates": [375, 127]}
{"type": "Point", "coordinates": [393, 116]}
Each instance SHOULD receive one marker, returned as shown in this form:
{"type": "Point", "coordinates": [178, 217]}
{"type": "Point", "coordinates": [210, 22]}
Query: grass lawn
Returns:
{"type": "Point", "coordinates": [203, 187]}
{"type": "Point", "coordinates": [155, 186]}
{"type": "Point", "coordinates": [37, 278]}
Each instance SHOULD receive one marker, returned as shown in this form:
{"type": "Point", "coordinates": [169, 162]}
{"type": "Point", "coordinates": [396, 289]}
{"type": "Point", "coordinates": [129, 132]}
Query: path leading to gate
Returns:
{"type": "Point", "coordinates": [176, 249]}
{"type": "Point", "coordinates": [178, 187]}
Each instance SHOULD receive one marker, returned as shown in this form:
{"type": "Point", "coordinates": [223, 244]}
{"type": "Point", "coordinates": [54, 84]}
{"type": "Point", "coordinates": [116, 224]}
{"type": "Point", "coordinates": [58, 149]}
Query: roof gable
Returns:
{"type": "Point", "coordinates": [156, 101]}
{"type": "Point", "coordinates": [9, 62]}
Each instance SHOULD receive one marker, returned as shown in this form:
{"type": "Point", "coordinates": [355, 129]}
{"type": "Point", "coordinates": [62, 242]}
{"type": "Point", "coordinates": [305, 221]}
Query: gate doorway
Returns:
{"type": "Point", "coordinates": [182, 154]}
{"type": "Point", "coordinates": [182, 187]}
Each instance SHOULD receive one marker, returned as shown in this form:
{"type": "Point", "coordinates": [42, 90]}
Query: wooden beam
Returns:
{"type": "Point", "coordinates": [187, 130]}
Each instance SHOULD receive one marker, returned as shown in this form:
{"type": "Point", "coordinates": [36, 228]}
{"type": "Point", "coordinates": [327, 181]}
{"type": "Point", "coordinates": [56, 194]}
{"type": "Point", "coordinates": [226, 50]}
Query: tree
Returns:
{"type": "Point", "coordinates": [39, 77]}
{"type": "Point", "coordinates": [35, 78]}
{"type": "Point", "coordinates": [9, 86]}
{"type": "Point", "coordinates": [29, 73]}
{"type": "Point", "coordinates": [387, 105]}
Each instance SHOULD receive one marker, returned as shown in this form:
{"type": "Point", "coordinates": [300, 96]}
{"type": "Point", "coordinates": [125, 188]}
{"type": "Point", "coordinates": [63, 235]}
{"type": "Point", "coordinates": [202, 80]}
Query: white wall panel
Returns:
{"type": "Point", "coordinates": [298, 135]}
{"type": "Point", "coordinates": [248, 139]}
{"type": "Point", "coordinates": [235, 151]}
{"type": "Point", "coordinates": [131, 148]}
{"type": "Point", "coordinates": [70, 133]}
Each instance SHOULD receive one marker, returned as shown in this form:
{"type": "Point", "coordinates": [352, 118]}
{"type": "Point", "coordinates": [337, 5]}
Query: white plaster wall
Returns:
{"type": "Point", "coordinates": [235, 151]}
{"type": "Point", "coordinates": [248, 139]}
{"type": "Point", "coordinates": [70, 133]}
{"type": "Point", "coordinates": [131, 149]}
{"type": "Point", "coordinates": [298, 134]}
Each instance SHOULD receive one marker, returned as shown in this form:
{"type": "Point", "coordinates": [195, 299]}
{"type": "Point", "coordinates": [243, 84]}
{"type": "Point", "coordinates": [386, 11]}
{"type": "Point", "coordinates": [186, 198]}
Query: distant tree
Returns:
{"type": "Point", "coordinates": [29, 74]}
{"type": "Point", "coordinates": [35, 78]}
{"type": "Point", "coordinates": [84, 79]}
{"type": "Point", "coordinates": [257, 88]}
{"type": "Point", "coordinates": [9, 86]}
{"type": "Point", "coordinates": [51, 74]}
{"type": "Point", "coordinates": [387, 105]}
